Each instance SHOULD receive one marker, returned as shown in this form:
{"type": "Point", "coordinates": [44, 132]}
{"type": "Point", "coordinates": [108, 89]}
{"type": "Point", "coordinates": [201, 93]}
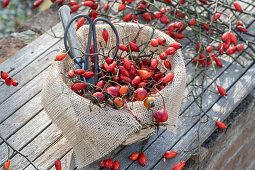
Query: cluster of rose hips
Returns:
{"type": "Point", "coordinates": [8, 80]}
{"type": "Point", "coordinates": [127, 78]}
{"type": "Point", "coordinates": [109, 164]}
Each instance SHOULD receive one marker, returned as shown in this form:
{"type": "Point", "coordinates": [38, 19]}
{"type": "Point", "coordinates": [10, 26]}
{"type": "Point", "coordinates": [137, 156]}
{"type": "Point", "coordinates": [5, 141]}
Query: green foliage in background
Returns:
{"type": "Point", "coordinates": [11, 17]}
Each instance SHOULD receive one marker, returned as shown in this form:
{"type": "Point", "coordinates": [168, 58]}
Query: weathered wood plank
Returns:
{"type": "Point", "coordinates": [22, 96]}
{"type": "Point", "coordinates": [51, 154]}
{"type": "Point", "coordinates": [167, 139]}
{"type": "Point", "coordinates": [37, 147]}
{"type": "Point", "coordinates": [21, 117]}
{"type": "Point", "coordinates": [219, 111]}
{"type": "Point", "coordinates": [31, 71]}
{"type": "Point", "coordinates": [27, 133]}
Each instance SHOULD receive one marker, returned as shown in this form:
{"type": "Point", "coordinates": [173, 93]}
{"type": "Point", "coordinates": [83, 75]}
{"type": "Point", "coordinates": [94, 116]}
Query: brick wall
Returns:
{"type": "Point", "coordinates": [234, 148]}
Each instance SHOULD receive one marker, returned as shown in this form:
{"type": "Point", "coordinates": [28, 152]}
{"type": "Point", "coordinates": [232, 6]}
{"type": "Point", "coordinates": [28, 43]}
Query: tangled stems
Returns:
{"type": "Point", "coordinates": [154, 28]}
{"type": "Point", "coordinates": [16, 151]}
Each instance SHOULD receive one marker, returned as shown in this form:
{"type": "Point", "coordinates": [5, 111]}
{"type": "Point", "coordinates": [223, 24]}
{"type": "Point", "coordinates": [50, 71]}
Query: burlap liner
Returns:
{"type": "Point", "coordinates": [94, 132]}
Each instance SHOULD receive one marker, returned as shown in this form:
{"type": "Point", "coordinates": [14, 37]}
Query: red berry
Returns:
{"type": "Point", "coordinates": [161, 115]}
{"type": "Point", "coordinates": [127, 17]}
{"type": "Point", "coordinates": [176, 45]}
{"type": "Point", "coordinates": [6, 3]}
{"type": "Point", "coordinates": [218, 62]}
{"type": "Point", "coordinates": [134, 156]}
{"type": "Point", "coordinates": [112, 66]}
{"type": "Point", "coordinates": [209, 49]}
{"type": "Point", "coordinates": [238, 6]}
{"type": "Point", "coordinates": [142, 159]}
{"type": "Point", "coordinates": [118, 102]}
{"type": "Point", "coordinates": [163, 56]}
{"type": "Point", "coordinates": [221, 90]}
{"type": "Point", "coordinates": [241, 29]}
{"type": "Point", "coordinates": [15, 83]}
{"type": "Point", "coordinates": [136, 80]}
{"type": "Point", "coordinates": [37, 3]}
{"type": "Point", "coordinates": [168, 78]}
{"type": "Point", "coordinates": [134, 47]}
{"type": "Point", "coordinates": [170, 51]}
{"type": "Point", "coordinates": [127, 63]}
{"type": "Point", "coordinates": [75, 7]}
{"type": "Point", "coordinates": [88, 74]}
{"type": "Point", "coordinates": [161, 40]}
{"type": "Point", "coordinates": [99, 96]}
{"type": "Point", "coordinates": [225, 36]}
{"type": "Point", "coordinates": [116, 165]}
{"type": "Point", "coordinates": [71, 3]}
{"type": "Point", "coordinates": [8, 81]}
{"type": "Point", "coordinates": [192, 22]}
{"type": "Point", "coordinates": [79, 86]}
{"type": "Point", "coordinates": [221, 125]}
{"type": "Point", "coordinates": [232, 38]}
{"type": "Point", "coordinates": [146, 16]}
{"type": "Point", "coordinates": [154, 63]}
{"type": "Point", "coordinates": [231, 50]}
{"type": "Point", "coordinates": [217, 15]}
{"type": "Point", "coordinates": [124, 71]}
{"type": "Point", "coordinates": [4, 75]}
{"type": "Point", "coordinates": [154, 42]}
{"type": "Point", "coordinates": [103, 162]}
{"type": "Point", "coordinates": [60, 57]}
{"type": "Point", "coordinates": [179, 166]}
{"type": "Point", "coordinates": [122, 6]}
{"type": "Point", "coordinates": [125, 78]}
{"type": "Point", "coordinates": [140, 94]}
{"type": "Point", "coordinates": [109, 60]}
{"type": "Point", "coordinates": [109, 163]}
{"type": "Point", "coordinates": [106, 6]}
{"type": "Point", "coordinates": [167, 64]}
{"type": "Point", "coordinates": [132, 70]}
{"type": "Point", "coordinates": [79, 71]}
{"type": "Point", "coordinates": [198, 46]}
{"type": "Point", "coordinates": [239, 23]}
{"type": "Point", "coordinates": [88, 3]}
{"type": "Point", "coordinates": [170, 154]}
{"type": "Point", "coordinates": [123, 47]}
{"type": "Point", "coordinates": [144, 74]}
{"type": "Point", "coordinates": [123, 90]}
{"type": "Point", "coordinates": [163, 10]}
{"type": "Point", "coordinates": [100, 84]}
{"type": "Point", "coordinates": [239, 47]}
{"type": "Point", "coordinates": [105, 35]}
{"type": "Point", "coordinates": [80, 22]}
{"type": "Point", "coordinates": [206, 26]}
{"type": "Point", "coordinates": [58, 165]}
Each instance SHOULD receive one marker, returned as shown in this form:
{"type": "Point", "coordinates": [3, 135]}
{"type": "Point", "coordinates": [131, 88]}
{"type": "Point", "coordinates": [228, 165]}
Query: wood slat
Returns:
{"type": "Point", "coordinates": [37, 147]}
{"type": "Point", "coordinates": [31, 71]}
{"type": "Point", "coordinates": [27, 133]}
{"type": "Point", "coordinates": [51, 154]}
{"type": "Point", "coordinates": [21, 117]}
{"type": "Point", "coordinates": [16, 101]}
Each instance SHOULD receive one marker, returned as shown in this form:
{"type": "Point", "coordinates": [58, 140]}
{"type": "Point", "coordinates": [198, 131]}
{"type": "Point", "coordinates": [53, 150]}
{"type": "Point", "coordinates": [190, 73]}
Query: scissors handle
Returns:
{"type": "Point", "coordinates": [95, 43]}
{"type": "Point", "coordinates": [80, 63]}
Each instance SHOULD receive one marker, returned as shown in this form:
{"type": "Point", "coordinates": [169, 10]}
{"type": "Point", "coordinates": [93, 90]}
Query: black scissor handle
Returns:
{"type": "Point", "coordinates": [95, 43]}
{"type": "Point", "coordinates": [78, 60]}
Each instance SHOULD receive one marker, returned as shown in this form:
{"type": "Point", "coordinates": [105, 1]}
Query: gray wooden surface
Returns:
{"type": "Point", "coordinates": [24, 123]}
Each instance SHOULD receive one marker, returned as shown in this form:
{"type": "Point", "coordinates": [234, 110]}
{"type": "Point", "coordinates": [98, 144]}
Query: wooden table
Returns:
{"type": "Point", "coordinates": [25, 124]}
